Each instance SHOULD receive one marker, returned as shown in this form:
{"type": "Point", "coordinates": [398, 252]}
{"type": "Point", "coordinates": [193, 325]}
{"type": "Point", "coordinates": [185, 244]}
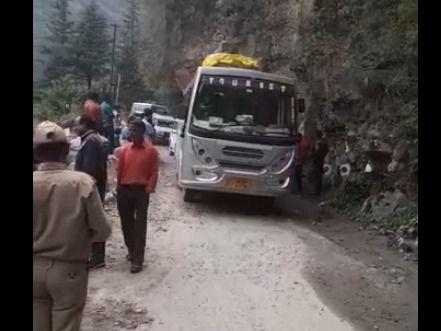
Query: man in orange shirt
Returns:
{"type": "Point", "coordinates": [137, 176]}
{"type": "Point", "coordinates": [92, 109]}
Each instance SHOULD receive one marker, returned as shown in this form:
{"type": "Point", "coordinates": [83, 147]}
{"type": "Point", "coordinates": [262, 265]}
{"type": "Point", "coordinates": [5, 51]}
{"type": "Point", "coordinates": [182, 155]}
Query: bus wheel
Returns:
{"type": "Point", "coordinates": [268, 204]}
{"type": "Point", "coordinates": [189, 195]}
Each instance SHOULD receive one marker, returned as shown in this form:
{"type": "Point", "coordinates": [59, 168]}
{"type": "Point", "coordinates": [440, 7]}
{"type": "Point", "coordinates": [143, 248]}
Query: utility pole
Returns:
{"type": "Point", "coordinates": [113, 57]}
{"type": "Point", "coordinates": [117, 89]}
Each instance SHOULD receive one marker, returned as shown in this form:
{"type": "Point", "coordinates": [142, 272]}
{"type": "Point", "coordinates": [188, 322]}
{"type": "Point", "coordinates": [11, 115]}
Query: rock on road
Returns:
{"type": "Point", "coordinates": [216, 265]}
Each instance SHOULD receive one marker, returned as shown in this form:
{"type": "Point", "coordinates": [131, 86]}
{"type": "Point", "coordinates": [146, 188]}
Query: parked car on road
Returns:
{"type": "Point", "coordinates": [163, 122]}
{"type": "Point", "coordinates": [175, 136]}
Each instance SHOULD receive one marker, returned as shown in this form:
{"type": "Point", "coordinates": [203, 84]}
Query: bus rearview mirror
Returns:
{"type": "Point", "coordinates": [301, 105]}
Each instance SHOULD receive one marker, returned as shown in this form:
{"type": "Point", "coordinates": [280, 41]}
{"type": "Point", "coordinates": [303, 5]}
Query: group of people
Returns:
{"type": "Point", "coordinates": [318, 153]}
{"type": "Point", "coordinates": [70, 227]}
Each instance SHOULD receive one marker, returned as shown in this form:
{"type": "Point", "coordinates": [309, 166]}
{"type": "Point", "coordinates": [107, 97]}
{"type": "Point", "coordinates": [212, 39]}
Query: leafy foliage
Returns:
{"type": "Point", "coordinates": [91, 47]}
{"type": "Point", "coordinates": [59, 40]}
{"type": "Point", "coordinates": [60, 98]}
{"type": "Point", "coordinates": [132, 85]}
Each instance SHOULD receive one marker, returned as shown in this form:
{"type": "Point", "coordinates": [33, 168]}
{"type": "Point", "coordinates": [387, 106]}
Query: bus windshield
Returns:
{"type": "Point", "coordinates": [243, 106]}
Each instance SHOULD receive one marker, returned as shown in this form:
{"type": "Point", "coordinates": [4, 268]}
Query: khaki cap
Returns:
{"type": "Point", "coordinates": [49, 132]}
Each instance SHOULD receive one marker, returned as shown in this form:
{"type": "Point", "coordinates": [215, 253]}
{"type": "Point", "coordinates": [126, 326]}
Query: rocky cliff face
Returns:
{"type": "Point", "coordinates": [353, 59]}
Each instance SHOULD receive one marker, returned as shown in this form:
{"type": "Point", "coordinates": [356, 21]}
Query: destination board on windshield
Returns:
{"type": "Point", "coordinates": [247, 83]}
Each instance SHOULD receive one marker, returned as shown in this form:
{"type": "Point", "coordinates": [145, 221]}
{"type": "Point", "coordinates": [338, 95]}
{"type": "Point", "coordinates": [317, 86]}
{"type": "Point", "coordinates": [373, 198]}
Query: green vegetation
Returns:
{"type": "Point", "coordinates": [59, 40]}
{"type": "Point", "coordinates": [91, 46]}
{"type": "Point", "coordinates": [80, 58]}
{"type": "Point", "coordinates": [60, 98]}
{"type": "Point", "coordinates": [349, 196]}
{"type": "Point", "coordinates": [132, 85]}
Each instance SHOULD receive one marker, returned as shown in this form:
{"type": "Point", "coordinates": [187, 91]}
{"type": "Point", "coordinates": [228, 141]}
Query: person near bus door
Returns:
{"type": "Point", "coordinates": [302, 147]}
{"type": "Point", "coordinates": [319, 152]}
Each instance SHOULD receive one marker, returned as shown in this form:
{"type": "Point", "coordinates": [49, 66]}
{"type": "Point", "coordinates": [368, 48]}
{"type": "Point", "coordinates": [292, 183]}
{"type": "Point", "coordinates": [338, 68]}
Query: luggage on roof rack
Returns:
{"type": "Point", "coordinates": [229, 60]}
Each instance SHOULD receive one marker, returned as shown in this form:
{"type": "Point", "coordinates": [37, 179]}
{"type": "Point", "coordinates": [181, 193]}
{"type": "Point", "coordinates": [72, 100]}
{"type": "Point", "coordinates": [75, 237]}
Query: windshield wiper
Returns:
{"type": "Point", "coordinates": [252, 128]}
{"type": "Point", "coordinates": [229, 126]}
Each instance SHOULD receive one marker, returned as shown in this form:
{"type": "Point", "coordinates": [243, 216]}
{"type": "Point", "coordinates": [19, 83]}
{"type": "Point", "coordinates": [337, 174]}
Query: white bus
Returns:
{"type": "Point", "coordinates": [239, 133]}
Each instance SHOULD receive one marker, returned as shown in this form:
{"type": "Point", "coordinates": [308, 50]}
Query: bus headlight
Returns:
{"type": "Point", "coordinates": [202, 153]}
{"type": "Point", "coordinates": [281, 182]}
{"type": "Point", "coordinates": [281, 163]}
{"type": "Point", "coordinates": [205, 175]}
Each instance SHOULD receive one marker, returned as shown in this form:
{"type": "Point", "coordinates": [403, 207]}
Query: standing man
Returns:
{"type": "Point", "coordinates": [147, 118]}
{"type": "Point", "coordinates": [319, 153]}
{"type": "Point", "coordinates": [92, 109]}
{"type": "Point", "coordinates": [302, 148]}
{"type": "Point", "coordinates": [67, 217]}
{"type": "Point", "coordinates": [117, 124]}
{"type": "Point", "coordinates": [150, 128]}
{"type": "Point", "coordinates": [137, 176]}
{"type": "Point", "coordinates": [108, 125]}
{"type": "Point", "coordinates": [92, 159]}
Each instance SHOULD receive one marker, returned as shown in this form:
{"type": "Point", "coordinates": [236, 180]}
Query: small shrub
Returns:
{"type": "Point", "coordinates": [60, 98]}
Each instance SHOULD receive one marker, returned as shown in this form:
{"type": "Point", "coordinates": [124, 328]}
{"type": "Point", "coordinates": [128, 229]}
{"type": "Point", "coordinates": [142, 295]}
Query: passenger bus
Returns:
{"type": "Point", "coordinates": [239, 133]}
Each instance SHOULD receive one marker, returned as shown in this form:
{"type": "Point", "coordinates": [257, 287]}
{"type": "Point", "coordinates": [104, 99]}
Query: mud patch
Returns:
{"type": "Point", "coordinates": [116, 315]}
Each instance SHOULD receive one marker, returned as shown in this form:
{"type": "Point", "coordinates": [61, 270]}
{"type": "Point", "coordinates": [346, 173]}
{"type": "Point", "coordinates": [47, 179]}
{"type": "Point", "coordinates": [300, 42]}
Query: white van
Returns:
{"type": "Point", "coordinates": [163, 123]}
{"type": "Point", "coordinates": [138, 107]}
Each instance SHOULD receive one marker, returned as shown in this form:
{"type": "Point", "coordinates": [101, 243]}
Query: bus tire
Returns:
{"type": "Point", "coordinates": [268, 204]}
{"type": "Point", "coordinates": [189, 195]}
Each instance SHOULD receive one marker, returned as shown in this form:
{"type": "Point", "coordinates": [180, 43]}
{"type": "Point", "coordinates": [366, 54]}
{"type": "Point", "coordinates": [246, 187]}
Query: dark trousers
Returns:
{"type": "Point", "coordinates": [317, 177]}
{"type": "Point", "coordinates": [109, 133]}
{"type": "Point", "coordinates": [133, 202]}
{"type": "Point", "coordinates": [298, 177]}
{"type": "Point", "coordinates": [98, 250]}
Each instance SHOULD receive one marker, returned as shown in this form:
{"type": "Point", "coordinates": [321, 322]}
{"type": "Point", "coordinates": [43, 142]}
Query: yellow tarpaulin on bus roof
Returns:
{"type": "Point", "coordinates": [229, 60]}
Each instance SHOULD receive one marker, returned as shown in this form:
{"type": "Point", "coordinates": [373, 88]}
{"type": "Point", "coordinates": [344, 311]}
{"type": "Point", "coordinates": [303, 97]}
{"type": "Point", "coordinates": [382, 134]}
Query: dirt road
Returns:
{"type": "Point", "coordinates": [218, 265]}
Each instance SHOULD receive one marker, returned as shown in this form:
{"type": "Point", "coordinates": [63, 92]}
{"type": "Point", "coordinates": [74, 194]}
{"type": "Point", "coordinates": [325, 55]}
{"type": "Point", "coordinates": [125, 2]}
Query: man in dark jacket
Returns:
{"type": "Point", "coordinates": [92, 159]}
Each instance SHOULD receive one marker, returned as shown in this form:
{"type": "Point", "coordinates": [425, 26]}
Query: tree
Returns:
{"type": "Point", "coordinates": [91, 47]}
{"type": "Point", "coordinates": [60, 33]}
{"type": "Point", "coordinates": [132, 84]}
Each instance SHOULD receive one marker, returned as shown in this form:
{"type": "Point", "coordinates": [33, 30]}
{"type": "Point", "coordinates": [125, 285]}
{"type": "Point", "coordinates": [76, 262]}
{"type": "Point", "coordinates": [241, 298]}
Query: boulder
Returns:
{"type": "Point", "coordinates": [362, 130]}
{"type": "Point", "coordinates": [393, 166]}
{"type": "Point", "coordinates": [401, 151]}
{"type": "Point", "coordinates": [373, 133]}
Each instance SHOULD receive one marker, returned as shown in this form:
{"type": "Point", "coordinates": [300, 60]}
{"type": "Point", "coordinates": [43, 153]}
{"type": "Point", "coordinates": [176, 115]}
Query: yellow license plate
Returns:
{"type": "Point", "coordinates": [238, 184]}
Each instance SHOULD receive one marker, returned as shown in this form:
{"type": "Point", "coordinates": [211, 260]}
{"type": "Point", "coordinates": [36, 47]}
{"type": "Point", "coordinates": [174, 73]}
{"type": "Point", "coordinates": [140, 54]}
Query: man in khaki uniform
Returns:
{"type": "Point", "coordinates": [67, 216]}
